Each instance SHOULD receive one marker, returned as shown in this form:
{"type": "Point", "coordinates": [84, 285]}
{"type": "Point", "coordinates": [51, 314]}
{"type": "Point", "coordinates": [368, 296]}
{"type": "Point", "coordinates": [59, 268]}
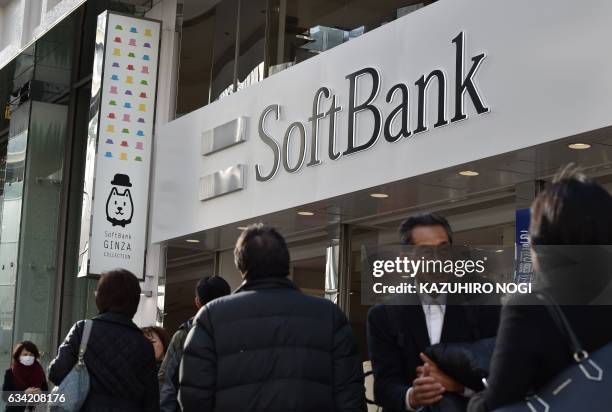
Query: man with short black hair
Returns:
{"type": "Point", "coordinates": [404, 378]}
{"type": "Point", "coordinates": [268, 346]}
{"type": "Point", "coordinates": [207, 289]}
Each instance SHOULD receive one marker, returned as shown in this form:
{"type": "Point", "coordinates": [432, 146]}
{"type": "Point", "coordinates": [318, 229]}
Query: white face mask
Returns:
{"type": "Point", "coordinates": [27, 360]}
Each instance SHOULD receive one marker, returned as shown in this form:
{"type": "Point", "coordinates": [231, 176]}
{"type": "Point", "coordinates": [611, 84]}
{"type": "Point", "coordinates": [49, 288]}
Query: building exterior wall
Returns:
{"type": "Point", "coordinates": [515, 84]}
{"type": "Point", "coordinates": [49, 50]}
{"type": "Point", "coordinates": [24, 21]}
{"type": "Point", "coordinates": [259, 67]}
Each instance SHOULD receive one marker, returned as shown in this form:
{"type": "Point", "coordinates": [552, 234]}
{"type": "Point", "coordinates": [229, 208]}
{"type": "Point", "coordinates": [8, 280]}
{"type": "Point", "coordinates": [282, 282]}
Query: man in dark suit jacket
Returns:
{"type": "Point", "coordinates": [398, 334]}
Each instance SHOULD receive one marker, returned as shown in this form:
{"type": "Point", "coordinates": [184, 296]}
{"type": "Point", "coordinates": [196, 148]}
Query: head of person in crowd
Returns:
{"type": "Point", "coordinates": [159, 339]}
{"type": "Point", "coordinates": [427, 236]}
{"type": "Point", "coordinates": [210, 288]}
{"type": "Point", "coordinates": [571, 221]}
{"type": "Point", "coordinates": [26, 353]}
{"type": "Point", "coordinates": [27, 371]}
{"type": "Point", "coordinates": [261, 252]}
{"type": "Point", "coordinates": [118, 291]}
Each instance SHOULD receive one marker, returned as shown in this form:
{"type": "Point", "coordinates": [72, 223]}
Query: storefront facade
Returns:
{"type": "Point", "coordinates": [45, 92]}
{"type": "Point", "coordinates": [449, 109]}
{"type": "Point", "coordinates": [331, 120]}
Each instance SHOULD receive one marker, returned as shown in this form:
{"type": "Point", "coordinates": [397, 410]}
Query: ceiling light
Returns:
{"type": "Point", "coordinates": [579, 146]}
{"type": "Point", "coordinates": [468, 173]}
{"type": "Point", "coordinates": [379, 195]}
{"type": "Point", "coordinates": [305, 213]}
{"type": "Point", "coordinates": [241, 227]}
{"type": "Point", "coordinates": [192, 241]}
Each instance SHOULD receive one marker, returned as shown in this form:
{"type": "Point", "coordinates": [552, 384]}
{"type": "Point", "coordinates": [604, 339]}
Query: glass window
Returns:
{"type": "Point", "coordinates": [252, 40]}
{"type": "Point", "coordinates": [224, 50]}
{"type": "Point", "coordinates": [33, 180]}
{"type": "Point", "coordinates": [300, 29]}
{"type": "Point", "coordinates": [42, 186]}
{"type": "Point", "coordinates": [231, 44]}
{"type": "Point", "coordinates": [12, 198]}
{"type": "Point", "coordinates": [195, 57]}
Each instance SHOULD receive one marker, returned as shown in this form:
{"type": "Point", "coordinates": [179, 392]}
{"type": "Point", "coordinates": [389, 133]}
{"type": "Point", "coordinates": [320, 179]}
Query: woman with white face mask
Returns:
{"type": "Point", "coordinates": [25, 375]}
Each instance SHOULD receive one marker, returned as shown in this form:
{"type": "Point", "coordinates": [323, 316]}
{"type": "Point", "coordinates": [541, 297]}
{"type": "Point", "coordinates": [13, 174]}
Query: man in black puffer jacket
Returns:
{"type": "Point", "coordinates": [269, 347]}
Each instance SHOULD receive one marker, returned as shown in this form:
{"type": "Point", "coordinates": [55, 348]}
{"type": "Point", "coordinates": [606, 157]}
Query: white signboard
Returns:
{"type": "Point", "coordinates": [119, 145]}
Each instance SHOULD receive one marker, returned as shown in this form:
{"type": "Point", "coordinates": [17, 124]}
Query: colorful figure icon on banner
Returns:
{"type": "Point", "coordinates": [140, 133]}
{"type": "Point", "coordinates": [132, 42]}
{"type": "Point", "coordinates": [117, 39]}
{"type": "Point", "coordinates": [108, 154]}
{"type": "Point", "coordinates": [116, 65]}
{"type": "Point", "coordinates": [128, 92]}
{"type": "Point", "coordinates": [141, 120]}
{"type": "Point", "coordinates": [129, 80]}
{"type": "Point", "coordinates": [111, 115]}
{"type": "Point", "coordinates": [130, 67]}
{"type": "Point", "coordinates": [138, 159]}
{"type": "Point", "coordinates": [131, 54]}
{"type": "Point", "coordinates": [115, 77]}
{"type": "Point", "coordinates": [126, 117]}
{"type": "Point", "coordinates": [133, 30]}
{"type": "Point", "coordinates": [125, 131]}
{"type": "Point", "coordinates": [146, 57]}
{"type": "Point", "coordinates": [143, 95]}
{"type": "Point", "coordinates": [127, 105]}
{"type": "Point", "coordinates": [110, 128]}
{"type": "Point", "coordinates": [122, 156]}
{"type": "Point", "coordinates": [119, 205]}
{"type": "Point", "coordinates": [109, 141]}
{"type": "Point", "coordinates": [118, 27]}
{"type": "Point", "coordinates": [142, 107]}
{"type": "Point", "coordinates": [144, 82]}
{"type": "Point", "coordinates": [112, 103]}
{"type": "Point", "coordinates": [117, 52]}
{"type": "Point", "coordinates": [113, 90]}
{"type": "Point", "coordinates": [147, 32]}
{"type": "Point", "coordinates": [145, 70]}
{"type": "Point", "coordinates": [147, 45]}
{"type": "Point", "coordinates": [124, 143]}
{"type": "Point", "coordinates": [139, 146]}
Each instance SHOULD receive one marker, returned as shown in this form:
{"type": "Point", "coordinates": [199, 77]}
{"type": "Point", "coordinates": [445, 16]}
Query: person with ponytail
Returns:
{"type": "Point", "coordinates": [25, 374]}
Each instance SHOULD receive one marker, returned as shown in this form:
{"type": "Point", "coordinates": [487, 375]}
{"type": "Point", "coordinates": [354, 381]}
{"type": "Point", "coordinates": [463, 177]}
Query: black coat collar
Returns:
{"type": "Point", "coordinates": [118, 318]}
{"type": "Point", "coordinates": [267, 283]}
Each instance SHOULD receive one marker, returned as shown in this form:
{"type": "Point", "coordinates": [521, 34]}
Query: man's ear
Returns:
{"type": "Point", "coordinates": [197, 302]}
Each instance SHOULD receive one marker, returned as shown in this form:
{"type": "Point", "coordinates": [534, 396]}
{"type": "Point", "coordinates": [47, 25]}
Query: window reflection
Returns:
{"type": "Point", "coordinates": [228, 45]}
{"type": "Point", "coordinates": [224, 50]}
{"type": "Point", "coordinates": [252, 41]}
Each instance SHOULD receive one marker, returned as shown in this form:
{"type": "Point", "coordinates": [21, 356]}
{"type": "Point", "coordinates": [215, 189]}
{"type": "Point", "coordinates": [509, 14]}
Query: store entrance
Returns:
{"type": "Point", "coordinates": [489, 223]}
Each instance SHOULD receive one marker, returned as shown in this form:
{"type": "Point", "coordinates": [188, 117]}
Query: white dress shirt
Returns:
{"type": "Point", "coordinates": [434, 309]}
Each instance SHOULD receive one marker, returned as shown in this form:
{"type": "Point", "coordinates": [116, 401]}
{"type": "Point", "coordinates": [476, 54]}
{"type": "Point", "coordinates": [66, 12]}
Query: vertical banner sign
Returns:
{"type": "Point", "coordinates": [119, 145]}
{"type": "Point", "coordinates": [522, 250]}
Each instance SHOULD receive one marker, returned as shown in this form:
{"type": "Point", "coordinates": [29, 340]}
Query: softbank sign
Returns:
{"type": "Point", "coordinates": [395, 126]}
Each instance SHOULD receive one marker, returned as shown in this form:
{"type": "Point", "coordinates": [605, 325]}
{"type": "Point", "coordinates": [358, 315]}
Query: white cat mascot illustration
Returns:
{"type": "Point", "coordinates": [119, 205]}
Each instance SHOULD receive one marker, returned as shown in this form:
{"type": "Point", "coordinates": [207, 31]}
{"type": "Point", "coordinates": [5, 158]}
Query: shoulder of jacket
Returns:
{"type": "Point", "coordinates": [377, 311]}
{"type": "Point", "coordinates": [78, 327]}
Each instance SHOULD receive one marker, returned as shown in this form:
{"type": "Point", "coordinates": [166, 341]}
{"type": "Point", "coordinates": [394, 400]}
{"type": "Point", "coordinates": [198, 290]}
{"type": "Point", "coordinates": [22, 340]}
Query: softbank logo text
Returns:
{"type": "Point", "coordinates": [394, 127]}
